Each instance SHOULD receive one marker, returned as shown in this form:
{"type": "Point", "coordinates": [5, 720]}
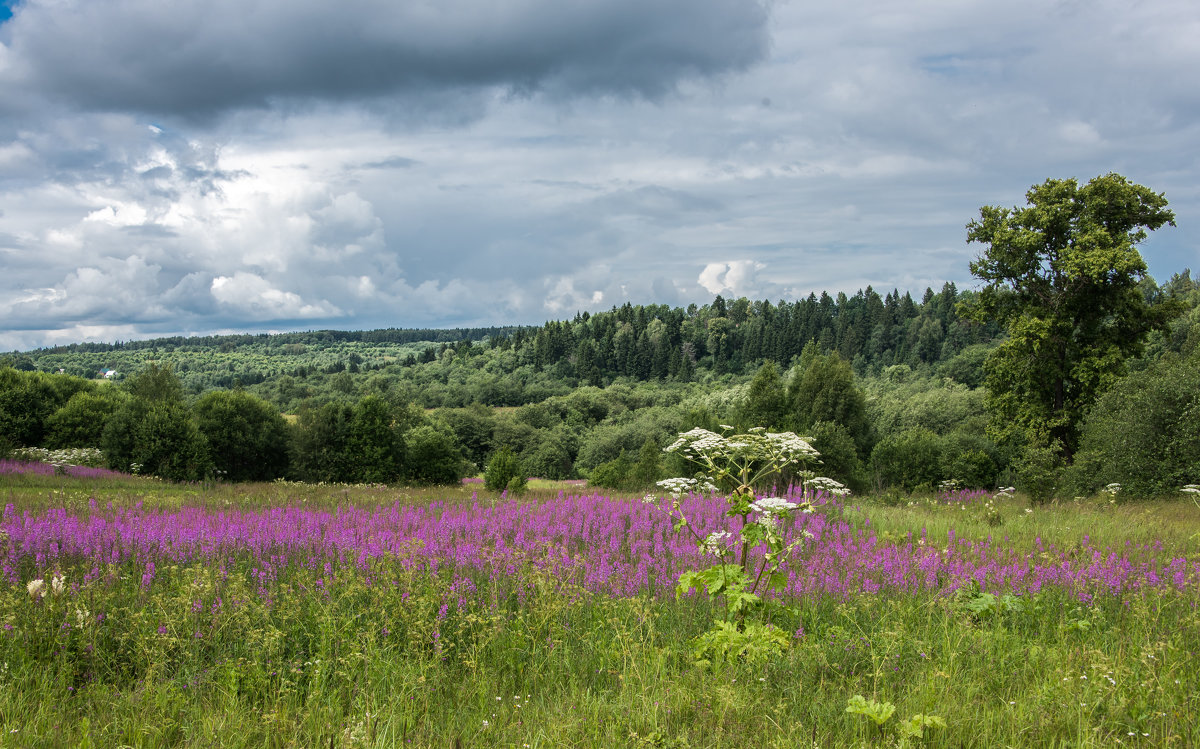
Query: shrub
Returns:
{"type": "Point", "coordinates": [908, 459]}
{"type": "Point", "coordinates": [247, 438]}
{"type": "Point", "coordinates": [612, 475]}
{"type": "Point", "coordinates": [502, 469]}
{"type": "Point", "coordinates": [159, 439]}
{"type": "Point", "coordinates": [1039, 468]}
{"type": "Point", "coordinates": [516, 485]}
{"type": "Point", "coordinates": [1144, 433]}
{"type": "Point", "coordinates": [433, 456]}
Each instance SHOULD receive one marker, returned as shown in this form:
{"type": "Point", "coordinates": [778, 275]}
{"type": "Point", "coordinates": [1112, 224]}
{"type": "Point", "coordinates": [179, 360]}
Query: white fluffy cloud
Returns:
{"type": "Point", "coordinates": [737, 278]}
{"type": "Point", "coordinates": [253, 298]}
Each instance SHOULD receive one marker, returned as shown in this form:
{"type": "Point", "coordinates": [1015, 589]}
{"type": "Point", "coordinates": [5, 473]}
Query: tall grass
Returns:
{"type": "Point", "coordinates": [439, 637]}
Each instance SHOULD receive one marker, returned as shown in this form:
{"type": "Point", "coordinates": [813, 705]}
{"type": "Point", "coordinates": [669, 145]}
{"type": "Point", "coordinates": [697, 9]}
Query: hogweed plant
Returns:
{"type": "Point", "coordinates": [879, 713]}
{"type": "Point", "coordinates": [741, 464]}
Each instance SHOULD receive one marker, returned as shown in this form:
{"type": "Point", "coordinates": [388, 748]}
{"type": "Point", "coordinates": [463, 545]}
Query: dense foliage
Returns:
{"type": "Point", "coordinates": [1062, 276]}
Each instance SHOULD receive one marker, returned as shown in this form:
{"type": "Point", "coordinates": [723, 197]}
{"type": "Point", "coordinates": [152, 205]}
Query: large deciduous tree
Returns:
{"type": "Point", "coordinates": [1061, 275]}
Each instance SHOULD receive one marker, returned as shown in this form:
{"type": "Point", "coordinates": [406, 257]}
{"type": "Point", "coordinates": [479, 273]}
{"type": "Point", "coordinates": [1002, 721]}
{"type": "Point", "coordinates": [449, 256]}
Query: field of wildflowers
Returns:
{"type": "Point", "coordinates": [139, 613]}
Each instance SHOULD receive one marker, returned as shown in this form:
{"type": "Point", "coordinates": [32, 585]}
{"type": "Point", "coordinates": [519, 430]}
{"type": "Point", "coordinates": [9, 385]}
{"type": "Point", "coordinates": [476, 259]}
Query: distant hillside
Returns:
{"type": "Point", "coordinates": [515, 365]}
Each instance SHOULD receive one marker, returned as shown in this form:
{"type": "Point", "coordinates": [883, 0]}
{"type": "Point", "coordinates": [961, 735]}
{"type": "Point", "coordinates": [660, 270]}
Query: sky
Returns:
{"type": "Point", "coordinates": [175, 167]}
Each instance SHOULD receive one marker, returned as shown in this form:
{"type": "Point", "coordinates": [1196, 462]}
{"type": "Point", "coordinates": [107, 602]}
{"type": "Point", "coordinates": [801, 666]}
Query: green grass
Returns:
{"type": "Point", "coordinates": [552, 666]}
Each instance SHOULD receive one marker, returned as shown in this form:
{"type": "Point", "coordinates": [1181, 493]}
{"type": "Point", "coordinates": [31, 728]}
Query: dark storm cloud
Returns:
{"type": "Point", "coordinates": [197, 59]}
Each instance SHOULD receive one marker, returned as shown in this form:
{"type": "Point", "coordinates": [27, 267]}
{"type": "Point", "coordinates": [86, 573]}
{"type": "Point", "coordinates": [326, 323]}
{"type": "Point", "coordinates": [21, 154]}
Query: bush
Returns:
{"type": "Point", "coordinates": [375, 444]}
{"type": "Point", "coordinates": [247, 438]}
{"type": "Point", "coordinates": [612, 475]}
{"type": "Point", "coordinates": [551, 458]}
{"type": "Point", "coordinates": [516, 485]}
{"type": "Point", "coordinates": [1038, 471]}
{"type": "Point", "coordinates": [648, 468]}
{"type": "Point", "coordinates": [839, 457]}
{"type": "Point", "coordinates": [433, 456]}
{"type": "Point", "coordinates": [158, 439]}
{"type": "Point", "coordinates": [1144, 433]}
{"type": "Point", "coordinates": [907, 460]}
{"type": "Point", "coordinates": [502, 469]}
{"type": "Point", "coordinates": [81, 420]}
{"type": "Point", "coordinates": [970, 459]}
{"type": "Point", "coordinates": [320, 443]}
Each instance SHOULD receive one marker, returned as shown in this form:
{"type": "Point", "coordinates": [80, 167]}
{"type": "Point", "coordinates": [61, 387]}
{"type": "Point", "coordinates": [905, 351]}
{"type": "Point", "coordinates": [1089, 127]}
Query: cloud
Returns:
{"type": "Point", "coordinates": [365, 165]}
{"type": "Point", "coordinates": [563, 297]}
{"type": "Point", "coordinates": [107, 292]}
{"type": "Point", "coordinates": [736, 277]}
{"type": "Point", "coordinates": [194, 59]}
{"type": "Point", "coordinates": [254, 298]}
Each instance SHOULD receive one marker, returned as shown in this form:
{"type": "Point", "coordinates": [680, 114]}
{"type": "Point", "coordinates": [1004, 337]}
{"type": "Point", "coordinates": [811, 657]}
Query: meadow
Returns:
{"type": "Point", "coordinates": [136, 612]}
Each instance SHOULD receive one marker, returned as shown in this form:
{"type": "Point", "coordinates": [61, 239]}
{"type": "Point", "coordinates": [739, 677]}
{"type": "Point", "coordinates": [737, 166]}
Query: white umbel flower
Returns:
{"type": "Point", "coordinates": [829, 486]}
{"type": "Point", "coordinates": [714, 543]}
{"type": "Point", "coordinates": [677, 487]}
{"type": "Point", "coordinates": [773, 505]}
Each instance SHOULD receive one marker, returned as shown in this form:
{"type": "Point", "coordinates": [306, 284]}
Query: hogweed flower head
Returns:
{"type": "Point", "coordinates": [829, 486]}
{"type": "Point", "coordinates": [773, 505]}
{"type": "Point", "coordinates": [677, 487]}
{"type": "Point", "coordinates": [714, 543]}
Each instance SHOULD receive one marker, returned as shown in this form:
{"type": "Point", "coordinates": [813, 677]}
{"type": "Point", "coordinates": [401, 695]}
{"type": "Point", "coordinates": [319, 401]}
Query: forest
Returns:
{"type": "Point", "coordinates": [891, 390]}
{"type": "Point", "coordinates": [1067, 370]}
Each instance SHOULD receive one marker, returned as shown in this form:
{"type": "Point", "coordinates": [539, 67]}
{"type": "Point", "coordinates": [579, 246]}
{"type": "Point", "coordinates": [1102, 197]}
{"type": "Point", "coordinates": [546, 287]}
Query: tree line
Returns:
{"type": "Point", "coordinates": [1025, 381]}
{"type": "Point", "coordinates": [146, 426]}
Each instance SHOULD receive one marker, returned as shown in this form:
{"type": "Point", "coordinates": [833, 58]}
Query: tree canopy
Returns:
{"type": "Point", "coordinates": [1062, 277]}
